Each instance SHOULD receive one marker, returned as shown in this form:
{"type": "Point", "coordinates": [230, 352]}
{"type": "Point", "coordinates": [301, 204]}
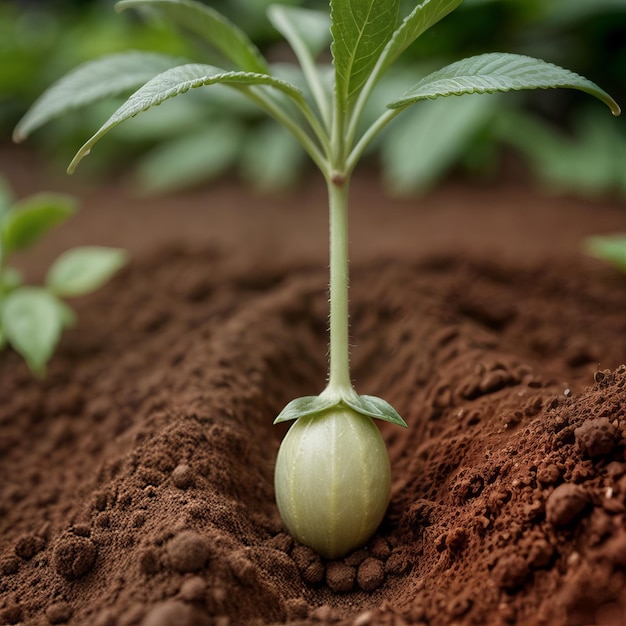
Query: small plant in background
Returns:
{"type": "Point", "coordinates": [32, 319]}
{"type": "Point", "coordinates": [332, 474]}
{"type": "Point", "coordinates": [608, 248]}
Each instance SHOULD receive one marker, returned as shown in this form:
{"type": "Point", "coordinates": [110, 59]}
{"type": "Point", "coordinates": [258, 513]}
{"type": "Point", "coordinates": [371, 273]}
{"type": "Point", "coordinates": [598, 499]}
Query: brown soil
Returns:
{"type": "Point", "coordinates": [137, 478]}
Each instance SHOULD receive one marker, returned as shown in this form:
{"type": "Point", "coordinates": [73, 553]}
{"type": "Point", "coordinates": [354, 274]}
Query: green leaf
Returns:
{"type": "Point", "coordinates": [11, 279]}
{"type": "Point", "coordinates": [32, 323]}
{"type": "Point", "coordinates": [66, 312]}
{"type": "Point", "coordinates": [588, 160]}
{"type": "Point", "coordinates": [305, 29]}
{"type": "Point", "coordinates": [490, 73]}
{"type": "Point", "coordinates": [180, 80]}
{"type": "Point", "coordinates": [425, 15]}
{"type": "Point", "coordinates": [3, 337]}
{"type": "Point", "coordinates": [81, 270]}
{"type": "Point", "coordinates": [610, 249]}
{"type": "Point", "coordinates": [305, 407]}
{"type": "Point", "coordinates": [33, 217]}
{"type": "Point", "coordinates": [6, 197]}
{"type": "Point", "coordinates": [212, 26]}
{"type": "Point", "coordinates": [95, 80]}
{"type": "Point", "coordinates": [360, 29]}
{"type": "Point", "coordinates": [375, 407]}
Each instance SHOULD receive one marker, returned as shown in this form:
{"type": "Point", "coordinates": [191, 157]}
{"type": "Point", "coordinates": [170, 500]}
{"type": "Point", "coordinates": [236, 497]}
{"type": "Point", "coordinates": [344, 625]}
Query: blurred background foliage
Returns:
{"type": "Point", "coordinates": [567, 141]}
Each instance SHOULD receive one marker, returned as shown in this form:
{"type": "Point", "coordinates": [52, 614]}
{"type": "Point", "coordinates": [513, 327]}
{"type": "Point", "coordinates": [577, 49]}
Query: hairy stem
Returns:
{"type": "Point", "coordinates": [339, 368]}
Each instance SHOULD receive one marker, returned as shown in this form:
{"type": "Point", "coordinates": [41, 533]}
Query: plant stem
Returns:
{"type": "Point", "coordinates": [339, 368]}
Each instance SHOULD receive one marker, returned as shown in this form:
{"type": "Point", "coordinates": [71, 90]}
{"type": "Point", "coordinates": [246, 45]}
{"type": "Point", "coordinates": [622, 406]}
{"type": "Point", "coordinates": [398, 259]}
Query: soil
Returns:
{"type": "Point", "coordinates": [137, 482]}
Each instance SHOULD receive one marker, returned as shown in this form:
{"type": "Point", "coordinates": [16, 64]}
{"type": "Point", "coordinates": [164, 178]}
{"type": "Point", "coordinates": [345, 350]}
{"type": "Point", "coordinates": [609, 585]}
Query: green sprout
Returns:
{"type": "Point", "coordinates": [32, 319]}
{"type": "Point", "coordinates": [332, 474]}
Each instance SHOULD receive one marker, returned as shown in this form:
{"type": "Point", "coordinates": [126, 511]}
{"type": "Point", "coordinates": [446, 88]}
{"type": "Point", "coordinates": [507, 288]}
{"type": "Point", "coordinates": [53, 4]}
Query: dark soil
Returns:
{"type": "Point", "coordinates": [137, 477]}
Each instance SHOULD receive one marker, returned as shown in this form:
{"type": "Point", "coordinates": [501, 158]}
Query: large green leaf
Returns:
{"type": "Point", "coordinates": [212, 26]}
{"type": "Point", "coordinates": [81, 270]}
{"type": "Point", "coordinates": [360, 29]}
{"type": "Point", "coordinates": [180, 80]}
{"type": "Point", "coordinates": [95, 80]}
{"type": "Point", "coordinates": [425, 15]}
{"type": "Point", "coordinates": [33, 217]}
{"type": "Point", "coordinates": [32, 321]}
{"type": "Point", "coordinates": [490, 73]}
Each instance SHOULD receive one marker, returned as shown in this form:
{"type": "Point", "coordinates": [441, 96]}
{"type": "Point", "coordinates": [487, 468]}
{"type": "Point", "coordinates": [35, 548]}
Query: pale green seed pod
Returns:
{"type": "Point", "coordinates": [333, 481]}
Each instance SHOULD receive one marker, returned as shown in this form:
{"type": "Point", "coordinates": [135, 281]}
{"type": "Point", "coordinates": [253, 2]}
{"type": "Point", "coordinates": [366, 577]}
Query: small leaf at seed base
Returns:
{"type": "Point", "coordinates": [376, 408]}
{"type": "Point", "coordinates": [305, 407]}
{"type": "Point", "coordinates": [81, 270]}
{"type": "Point", "coordinates": [32, 324]}
{"type": "Point", "coordinates": [31, 218]}
{"type": "Point", "coordinates": [610, 249]}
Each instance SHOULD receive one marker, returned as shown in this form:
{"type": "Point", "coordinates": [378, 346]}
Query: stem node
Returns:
{"type": "Point", "coordinates": [338, 178]}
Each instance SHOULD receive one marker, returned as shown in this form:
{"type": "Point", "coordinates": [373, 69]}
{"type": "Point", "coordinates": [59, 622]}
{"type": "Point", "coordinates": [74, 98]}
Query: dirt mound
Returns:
{"type": "Point", "coordinates": [137, 478]}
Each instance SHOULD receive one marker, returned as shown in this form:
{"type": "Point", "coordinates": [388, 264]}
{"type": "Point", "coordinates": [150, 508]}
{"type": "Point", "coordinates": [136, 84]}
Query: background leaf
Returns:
{"type": "Point", "coordinates": [33, 217]}
{"type": "Point", "coordinates": [81, 270]}
{"type": "Point", "coordinates": [360, 31]}
{"type": "Point", "coordinates": [610, 248]}
{"type": "Point", "coordinates": [32, 322]}
{"type": "Point", "coordinates": [6, 197]}
{"type": "Point", "coordinates": [490, 73]}
{"type": "Point", "coordinates": [191, 158]}
{"type": "Point", "coordinates": [212, 26]}
{"type": "Point", "coordinates": [423, 143]}
{"type": "Point", "coordinates": [588, 159]}
{"type": "Point", "coordinates": [11, 280]}
{"type": "Point", "coordinates": [272, 159]}
{"type": "Point", "coordinates": [95, 80]}
{"type": "Point", "coordinates": [174, 82]}
{"type": "Point", "coordinates": [295, 24]}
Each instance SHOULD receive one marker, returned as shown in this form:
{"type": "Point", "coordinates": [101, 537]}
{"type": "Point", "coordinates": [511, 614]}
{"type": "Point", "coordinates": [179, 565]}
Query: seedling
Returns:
{"type": "Point", "coordinates": [33, 318]}
{"type": "Point", "coordinates": [332, 473]}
